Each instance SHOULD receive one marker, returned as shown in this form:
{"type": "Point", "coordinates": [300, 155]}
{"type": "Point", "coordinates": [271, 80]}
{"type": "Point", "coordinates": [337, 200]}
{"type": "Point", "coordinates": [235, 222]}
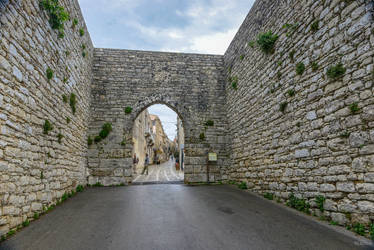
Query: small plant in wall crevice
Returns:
{"type": "Point", "coordinates": [269, 196]}
{"type": "Point", "coordinates": [283, 106]}
{"type": "Point", "coordinates": [359, 229]}
{"type": "Point", "coordinates": [251, 44]}
{"type": "Point", "coordinates": [371, 231]}
{"type": "Point", "coordinates": [291, 92]}
{"type": "Point", "coordinates": [279, 75]}
{"type": "Point", "coordinates": [64, 98]}
{"type": "Point", "coordinates": [354, 108]}
{"type": "Point", "coordinates": [300, 68]}
{"type": "Point", "coordinates": [234, 82]}
{"type": "Point", "coordinates": [128, 110]}
{"type": "Point", "coordinates": [345, 134]}
{"type": "Point", "coordinates": [10, 233]}
{"type": "Point", "coordinates": [26, 223]}
{"type": "Point", "coordinates": [336, 71]}
{"type": "Point", "coordinates": [83, 50]}
{"type": "Point", "coordinates": [273, 88]}
{"type": "Point", "coordinates": [89, 141]}
{"type": "Point", "coordinates": [320, 200]}
{"type": "Point", "coordinates": [73, 102]}
{"type": "Point", "coordinates": [47, 127]}
{"type": "Point", "coordinates": [290, 27]}
{"type": "Point", "coordinates": [242, 185]}
{"type": "Point", "coordinates": [104, 132]}
{"type": "Point", "coordinates": [97, 139]}
{"type": "Point", "coordinates": [209, 123]}
{"type": "Point", "coordinates": [314, 26]}
{"type": "Point", "coordinates": [315, 66]}
{"type": "Point", "coordinates": [202, 137]}
{"type": "Point", "coordinates": [57, 15]}
{"type": "Point", "coordinates": [59, 137]}
{"type": "Point", "coordinates": [298, 203]}
{"type": "Point", "coordinates": [49, 73]}
{"type": "Point", "coordinates": [79, 188]}
{"type": "Point", "coordinates": [266, 41]}
{"type": "Point", "coordinates": [74, 23]}
{"type": "Point", "coordinates": [291, 55]}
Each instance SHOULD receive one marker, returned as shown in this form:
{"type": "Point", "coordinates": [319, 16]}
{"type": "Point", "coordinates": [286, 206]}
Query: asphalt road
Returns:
{"type": "Point", "coordinates": [177, 217]}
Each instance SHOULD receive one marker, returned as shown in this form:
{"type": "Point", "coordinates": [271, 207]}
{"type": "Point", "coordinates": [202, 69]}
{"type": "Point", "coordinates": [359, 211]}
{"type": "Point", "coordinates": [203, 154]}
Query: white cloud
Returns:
{"type": "Point", "coordinates": [200, 36]}
{"type": "Point", "coordinates": [213, 44]}
{"type": "Point", "coordinates": [175, 35]}
{"type": "Point", "coordinates": [209, 27]}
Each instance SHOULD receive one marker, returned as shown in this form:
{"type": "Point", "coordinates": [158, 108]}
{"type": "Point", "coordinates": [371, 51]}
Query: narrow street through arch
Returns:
{"type": "Point", "coordinates": [163, 173]}
{"type": "Point", "coordinates": [158, 140]}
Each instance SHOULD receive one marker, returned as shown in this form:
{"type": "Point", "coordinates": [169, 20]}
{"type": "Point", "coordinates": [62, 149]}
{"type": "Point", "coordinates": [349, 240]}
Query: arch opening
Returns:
{"type": "Point", "coordinates": [158, 144]}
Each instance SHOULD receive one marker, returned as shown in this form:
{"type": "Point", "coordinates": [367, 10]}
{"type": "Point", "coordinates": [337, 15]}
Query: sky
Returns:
{"type": "Point", "coordinates": [191, 26]}
{"type": "Point", "coordinates": [168, 119]}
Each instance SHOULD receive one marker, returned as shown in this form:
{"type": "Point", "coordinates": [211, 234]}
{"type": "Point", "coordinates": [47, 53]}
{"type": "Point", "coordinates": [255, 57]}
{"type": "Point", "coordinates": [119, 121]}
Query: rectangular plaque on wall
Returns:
{"type": "Point", "coordinates": [212, 157]}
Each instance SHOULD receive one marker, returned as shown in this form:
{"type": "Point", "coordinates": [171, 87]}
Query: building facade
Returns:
{"type": "Point", "coordinates": [180, 142]}
{"type": "Point", "coordinates": [162, 147]}
{"type": "Point", "coordinates": [149, 138]}
{"type": "Point", "coordinates": [143, 141]}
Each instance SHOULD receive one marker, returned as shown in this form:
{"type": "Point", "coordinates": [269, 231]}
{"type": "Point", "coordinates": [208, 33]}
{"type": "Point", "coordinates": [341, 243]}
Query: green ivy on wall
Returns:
{"type": "Point", "coordinates": [57, 15]}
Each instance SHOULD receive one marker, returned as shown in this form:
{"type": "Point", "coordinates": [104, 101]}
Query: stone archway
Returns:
{"type": "Point", "coordinates": [192, 85]}
{"type": "Point", "coordinates": [161, 98]}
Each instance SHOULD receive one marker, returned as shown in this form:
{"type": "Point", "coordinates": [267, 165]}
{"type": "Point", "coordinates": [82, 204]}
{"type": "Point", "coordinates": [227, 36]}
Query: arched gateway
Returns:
{"type": "Point", "coordinates": [190, 84]}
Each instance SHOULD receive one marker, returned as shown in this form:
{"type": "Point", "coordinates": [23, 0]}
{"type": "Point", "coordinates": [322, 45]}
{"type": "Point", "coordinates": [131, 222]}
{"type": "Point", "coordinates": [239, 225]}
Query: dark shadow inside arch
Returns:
{"type": "Point", "coordinates": [158, 144]}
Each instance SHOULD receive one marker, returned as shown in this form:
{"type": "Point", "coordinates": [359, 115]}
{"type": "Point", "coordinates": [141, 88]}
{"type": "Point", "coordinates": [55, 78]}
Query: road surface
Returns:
{"type": "Point", "coordinates": [164, 217]}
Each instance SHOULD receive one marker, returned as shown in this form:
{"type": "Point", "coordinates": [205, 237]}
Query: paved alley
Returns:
{"type": "Point", "coordinates": [163, 173]}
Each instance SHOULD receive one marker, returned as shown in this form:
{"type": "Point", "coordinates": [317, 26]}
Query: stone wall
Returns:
{"type": "Point", "coordinates": [192, 85]}
{"type": "Point", "coordinates": [317, 146]}
{"type": "Point", "coordinates": [35, 169]}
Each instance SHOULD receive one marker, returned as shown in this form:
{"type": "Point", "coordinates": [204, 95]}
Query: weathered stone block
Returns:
{"type": "Point", "coordinates": [340, 218]}
{"type": "Point", "coordinates": [365, 206]}
{"type": "Point", "coordinates": [345, 187]}
{"type": "Point", "coordinates": [302, 153]}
